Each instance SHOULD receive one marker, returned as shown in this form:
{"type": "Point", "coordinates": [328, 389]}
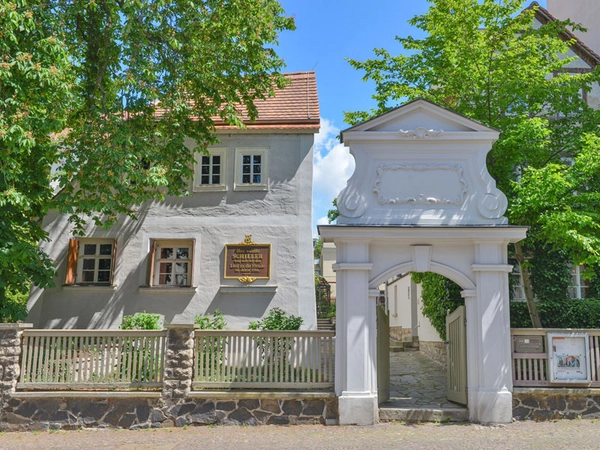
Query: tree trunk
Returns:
{"type": "Point", "coordinates": [534, 314]}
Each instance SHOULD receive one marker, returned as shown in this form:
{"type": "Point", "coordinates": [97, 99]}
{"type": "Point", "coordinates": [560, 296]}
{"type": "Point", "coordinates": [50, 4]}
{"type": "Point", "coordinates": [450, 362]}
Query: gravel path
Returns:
{"type": "Point", "coordinates": [575, 434]}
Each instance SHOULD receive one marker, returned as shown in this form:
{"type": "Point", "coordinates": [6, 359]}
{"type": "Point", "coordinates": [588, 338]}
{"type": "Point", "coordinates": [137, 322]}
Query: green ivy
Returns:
{"type": "Point", "coordinates": [439, 295]}
{"type": "Point", "coordinates": [550, 273]}
{"type": "Point", "coordinates": [559, 313]}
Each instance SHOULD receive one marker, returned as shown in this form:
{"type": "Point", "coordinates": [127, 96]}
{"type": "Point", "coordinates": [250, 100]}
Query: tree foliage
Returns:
{"type": "Point", "coordinates": [486, 60]}
{"type": "Point", "coordinates": [98, 98]}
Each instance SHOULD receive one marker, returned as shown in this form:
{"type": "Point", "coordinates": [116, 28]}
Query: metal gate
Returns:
{"type": "Point", "coordinates": [456, 351]}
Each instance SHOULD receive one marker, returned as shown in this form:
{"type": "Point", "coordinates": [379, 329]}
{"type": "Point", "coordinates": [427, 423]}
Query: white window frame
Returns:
{"type": "Point", "coordinates": [222, 186]}
{"type": "Point", "coordinates": [578, 287]}
{"type": "Point", "coordinates": [158, 259]}
{"type": "Point", "coordinates": [240, 152]}
{"type": "Point", "coordinates": [82, 257]}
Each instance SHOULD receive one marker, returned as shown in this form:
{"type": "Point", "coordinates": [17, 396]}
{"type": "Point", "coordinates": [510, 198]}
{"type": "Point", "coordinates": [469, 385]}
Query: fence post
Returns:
{"type": "Point", "coordinates": [179, 361]}
{"type": "Point", "coordinates": [10, 351]}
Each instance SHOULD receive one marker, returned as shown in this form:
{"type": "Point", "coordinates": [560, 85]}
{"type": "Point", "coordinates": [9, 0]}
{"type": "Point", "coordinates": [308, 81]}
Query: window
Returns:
{"type": "Point", "coordinates": [579, 287]}
{"type": "Point", "coordinates": [516, 284]}
{"type": "Point", "coordinates": [251, 169]}
{"type": "Point", "coordinates": [91, 261]}
{"type": "Point", "coordinates": [209, 171]}
{"type": "Point", "coordinates": [172, 263]}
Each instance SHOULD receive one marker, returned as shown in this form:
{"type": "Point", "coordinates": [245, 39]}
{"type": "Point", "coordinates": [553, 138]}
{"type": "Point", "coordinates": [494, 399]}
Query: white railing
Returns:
{"type": "Point", "coordinates": [68, 359]}
{"type": "Point", "coordinates": [531, 369]}
{"type": "Point", "coordinates": [264, 359]}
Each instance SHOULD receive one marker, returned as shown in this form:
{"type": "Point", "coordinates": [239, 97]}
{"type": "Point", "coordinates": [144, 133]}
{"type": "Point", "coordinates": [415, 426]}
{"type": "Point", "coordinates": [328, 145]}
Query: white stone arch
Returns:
{"type": "Point", "coordinates": [421, 199]}
{"type": "Point", "coordinates": [449, 272]}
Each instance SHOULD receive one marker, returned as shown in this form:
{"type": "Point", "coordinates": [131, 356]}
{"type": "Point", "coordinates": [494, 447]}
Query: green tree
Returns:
{"type": "Point", "coordinates": [333, 213]}
{"type": "Point", "coordinates": [485, 60]}
{"type": "Point", "coordinates": [98, 97]}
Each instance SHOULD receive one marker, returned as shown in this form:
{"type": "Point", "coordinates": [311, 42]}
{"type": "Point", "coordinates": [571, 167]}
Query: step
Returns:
{"type": "Point", "coordinates": [423, 414]}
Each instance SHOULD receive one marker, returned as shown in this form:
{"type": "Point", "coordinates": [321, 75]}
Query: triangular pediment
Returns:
{"type": "Point", "coordinates": [420, 118]}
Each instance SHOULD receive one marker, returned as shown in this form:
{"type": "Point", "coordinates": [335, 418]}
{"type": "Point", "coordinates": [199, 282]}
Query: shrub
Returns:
{"type": "Point", "coordinates": [141, 321]}
{"type": "Point", "coordinates": [206, 323]}
{"type": "Point", "coordinates": [559, 313]}
{"type": "Point", "coordinates": [277, 320]}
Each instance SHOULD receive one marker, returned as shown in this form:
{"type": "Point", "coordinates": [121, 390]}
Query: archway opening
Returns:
{"type": "Point", "coordinates": [416, 381]}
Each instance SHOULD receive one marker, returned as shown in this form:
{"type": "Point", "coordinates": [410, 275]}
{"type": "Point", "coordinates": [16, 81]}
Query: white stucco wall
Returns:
{"type": "Point", "coordinates": [585, 12]}
{"type": "Point", "coordinates": [327, 262]}
{"type": "Point", "coordinates": [280, 217]}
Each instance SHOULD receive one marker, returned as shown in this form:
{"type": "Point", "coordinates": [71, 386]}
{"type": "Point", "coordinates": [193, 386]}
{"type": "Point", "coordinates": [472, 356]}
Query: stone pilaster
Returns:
{"type": "Point", "coordinates": [179, 361]}
{"type": "Point", "coordinates": [10, 351]}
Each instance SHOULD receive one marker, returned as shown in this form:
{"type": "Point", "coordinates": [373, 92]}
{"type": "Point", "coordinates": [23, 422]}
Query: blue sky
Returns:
{"type": "Point", "coordinates": [327, 32]}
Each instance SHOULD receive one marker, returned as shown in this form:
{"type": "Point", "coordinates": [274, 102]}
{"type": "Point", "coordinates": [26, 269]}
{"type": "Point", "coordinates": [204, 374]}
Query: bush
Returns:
{"type": "Point", "coordinates": [277, 320]}
{"type": "Point", "coordinates": [141, 321]}
{"type": "Point", "coordinates": [559, 313]}
{"type": "Point", "coordinates": [206, 323]}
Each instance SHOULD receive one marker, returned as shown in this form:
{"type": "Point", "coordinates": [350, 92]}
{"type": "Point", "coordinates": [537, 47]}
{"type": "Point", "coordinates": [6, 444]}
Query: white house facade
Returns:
{"type": "Point", "coordinates": [241, 242]}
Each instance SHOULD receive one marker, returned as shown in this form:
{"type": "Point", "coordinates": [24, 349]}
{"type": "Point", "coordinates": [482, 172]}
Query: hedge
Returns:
{"type": "Point", "coordinates": [569, 313]}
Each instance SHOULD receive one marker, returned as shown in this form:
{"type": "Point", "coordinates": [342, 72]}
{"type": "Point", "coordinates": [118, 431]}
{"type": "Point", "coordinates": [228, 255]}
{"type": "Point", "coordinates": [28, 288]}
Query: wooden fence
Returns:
{"type": "Point", "coordinates": [264, 359]}
{"type": "Point", "coordinates": [71, 359]}
{"type": "Point", "coordinates": [532, 369]}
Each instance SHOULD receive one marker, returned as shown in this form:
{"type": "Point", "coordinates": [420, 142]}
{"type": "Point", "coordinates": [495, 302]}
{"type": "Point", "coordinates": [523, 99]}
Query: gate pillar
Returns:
{"type": "Point", "coordinates": [355, 382]}
{"type": "Point", "coordinates": [488, 337]}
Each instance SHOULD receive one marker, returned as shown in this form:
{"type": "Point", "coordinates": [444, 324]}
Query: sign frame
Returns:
{"type": "Point", "coordinates": [247, 244]}
{"type": "Point", "coordinates": [569, 357]}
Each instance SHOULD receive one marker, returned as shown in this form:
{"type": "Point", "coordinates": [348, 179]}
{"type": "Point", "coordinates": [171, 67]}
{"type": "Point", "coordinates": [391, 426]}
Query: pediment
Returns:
{"type": "Point", "coordinates": [421, 164]}
{"type": "Point", "coordinates": [418, 119]}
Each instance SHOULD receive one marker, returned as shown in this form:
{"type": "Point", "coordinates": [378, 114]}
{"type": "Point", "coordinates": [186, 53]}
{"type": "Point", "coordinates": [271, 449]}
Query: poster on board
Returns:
{"type": "Point", "coordinates": [569, 357]}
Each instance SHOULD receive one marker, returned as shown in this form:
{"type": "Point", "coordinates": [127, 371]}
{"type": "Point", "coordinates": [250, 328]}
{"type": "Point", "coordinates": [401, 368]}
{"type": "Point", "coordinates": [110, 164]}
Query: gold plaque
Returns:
{"type": "Point", "coordinates": [248, 261]}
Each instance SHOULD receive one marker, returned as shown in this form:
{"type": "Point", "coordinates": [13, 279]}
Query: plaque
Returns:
{"type": "Point", "coordinates": [248, 261]}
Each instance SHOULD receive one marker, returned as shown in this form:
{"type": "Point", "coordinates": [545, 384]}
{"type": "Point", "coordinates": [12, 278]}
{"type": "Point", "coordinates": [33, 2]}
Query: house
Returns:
{"type": "Point", "coordinates": [241, 242]}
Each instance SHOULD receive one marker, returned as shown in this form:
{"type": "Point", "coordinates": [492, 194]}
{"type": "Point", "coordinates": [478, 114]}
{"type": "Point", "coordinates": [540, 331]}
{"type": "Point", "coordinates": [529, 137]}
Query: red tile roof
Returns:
{"type": "Point", "coordinates": [294, 108]}
{"type": "Point", "coordinates": [580, 49]}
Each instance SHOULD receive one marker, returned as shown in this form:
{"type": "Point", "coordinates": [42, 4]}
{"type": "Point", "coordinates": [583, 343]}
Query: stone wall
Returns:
{"type": "Point", "coordinates": [401, 334]}
{"type": "Point", "coordinates": [551, 404]}
{"type": "Point", "coordinates": [57, 411]}
{"type": "Point", "coordinates": [175, 406]}
{"type": "Point", "coordinates": [436, 351]}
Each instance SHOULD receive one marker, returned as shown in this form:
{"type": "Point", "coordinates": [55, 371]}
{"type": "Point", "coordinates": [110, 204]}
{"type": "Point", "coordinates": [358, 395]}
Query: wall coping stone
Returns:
{"type": "Point", "coordinates": [226, 395]}
{"type": "Point", "coordinates": [557, 391]}
{"type": "Point", "coordinates": [15, 326]}
{"type": "Point", "coordinates": [86, 394]}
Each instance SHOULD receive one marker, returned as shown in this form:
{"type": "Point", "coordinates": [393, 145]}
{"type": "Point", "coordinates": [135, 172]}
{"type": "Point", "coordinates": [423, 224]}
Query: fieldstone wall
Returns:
{"type": "Point", "coordinates": [551, 404]}
{"type": "Point", "coordinates": [176, 406]}
{"type": "Point", "coordinates": [10, 351]}
{"type": "Point", "coordinates": [436, 351]}
{"type": "Point", "coordinates": [401, 334]}
{"type": "Point", "coordinates": [31, 413]}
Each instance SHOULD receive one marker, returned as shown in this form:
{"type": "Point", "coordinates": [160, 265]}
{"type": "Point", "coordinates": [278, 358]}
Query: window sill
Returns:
{"type": "Point", "coordinates": [167, 289]}
{"type": "Point", "coordinates": [251, 187]}
{"type": "Point", "coordinates": [210, 188]}
{"type": "Point", "coordinates": [88, 288]}
{"type": "Point", "coordinates": [248, 289]}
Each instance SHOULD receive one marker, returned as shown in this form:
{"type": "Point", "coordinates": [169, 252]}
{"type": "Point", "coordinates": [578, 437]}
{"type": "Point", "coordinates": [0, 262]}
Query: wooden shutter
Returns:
{"type": "Point", "coordinates": [72, 254]}
{"type": "Point", "coordinates": [151, 262]}
{"type": "Point", "coordinates": [191, 279]}
{"type": "Point", "coordinates": [112, 263]}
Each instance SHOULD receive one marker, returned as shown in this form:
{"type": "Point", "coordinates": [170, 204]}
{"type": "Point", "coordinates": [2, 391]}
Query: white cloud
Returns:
{"type": "Point", "coordinates": [333, 164]}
